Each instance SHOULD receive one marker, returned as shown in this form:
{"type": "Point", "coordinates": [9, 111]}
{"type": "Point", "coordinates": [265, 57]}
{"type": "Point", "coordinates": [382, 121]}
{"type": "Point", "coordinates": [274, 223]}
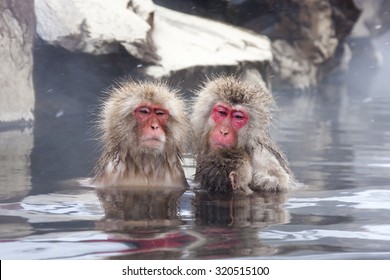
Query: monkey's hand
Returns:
{"type": "Point", "coordinates": [268, 173]}
{"type": "Point", "coordinates": [264, 182]}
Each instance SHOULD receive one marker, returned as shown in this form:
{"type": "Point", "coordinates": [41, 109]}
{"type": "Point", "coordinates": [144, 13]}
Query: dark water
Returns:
{"type": "Point", "coordinates": [337, 139]}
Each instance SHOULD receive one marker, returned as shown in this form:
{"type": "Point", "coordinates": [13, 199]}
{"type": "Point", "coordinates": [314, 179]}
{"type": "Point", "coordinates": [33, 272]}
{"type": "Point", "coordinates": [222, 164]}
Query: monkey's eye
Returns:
{"type": "Point", "coordinates": [222, 113]}
{"type": "Point", "coordinates": [160, 112]}
{"type": "Point", "coordinates": [144, 110]}
{"type": "Point", "coordinates": [238, 116]}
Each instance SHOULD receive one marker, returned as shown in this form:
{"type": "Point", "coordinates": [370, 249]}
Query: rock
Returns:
{"type": "Point", "coordinates": [97, 27]}
{"type": "Point", "coordinates": [307, 35]}
{"type": "Point", "coordinates": [185, 42]}
{"type": "Point", "coordinates": [17, 28]}
{"type": "Point", "coordinates": [310, 40]}
{"type": "Point", "coordinates": [374, 20]}
{"type": "Point", "coordinates": [144, 9]}
{"type": "Point", "coordinates": [145, 31]}
{"type": "Point", "coordinates": [292, 67]}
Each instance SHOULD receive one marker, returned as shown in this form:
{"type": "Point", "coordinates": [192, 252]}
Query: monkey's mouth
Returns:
{"type": "Point", "coordinates": [152, 142]}
{"type": "Point", "coordinates": [219, 145]}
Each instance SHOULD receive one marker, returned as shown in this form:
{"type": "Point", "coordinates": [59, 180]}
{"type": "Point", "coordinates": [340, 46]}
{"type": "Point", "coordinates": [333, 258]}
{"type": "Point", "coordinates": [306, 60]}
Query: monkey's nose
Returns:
{"type": "Point", "coordinates": [154, 126]}
{"type": "Point", "coordinates": [224, 132]}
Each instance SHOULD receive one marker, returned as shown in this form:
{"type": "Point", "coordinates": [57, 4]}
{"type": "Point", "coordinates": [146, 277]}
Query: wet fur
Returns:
{"type": "Point", "coordinates": [269, 164]}
{"type": "Point", "coordinates": [225, 170]}
{"type": "Point", "coordinates": [123, 162]}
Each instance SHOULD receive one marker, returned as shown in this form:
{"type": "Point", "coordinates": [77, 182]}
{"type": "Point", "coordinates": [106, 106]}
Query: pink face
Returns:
{"type": "Point", "coordinates": [152, 120]}
{"type": "Point", "coordinates": [228, 121]}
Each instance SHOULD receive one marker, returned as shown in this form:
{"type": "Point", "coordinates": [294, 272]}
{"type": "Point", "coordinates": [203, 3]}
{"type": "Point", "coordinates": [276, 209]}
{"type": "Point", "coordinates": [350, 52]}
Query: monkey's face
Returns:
{"type": "Point", "coordinates": [152, 122]}
{"type": "Point", "coordinates": [227, 121]}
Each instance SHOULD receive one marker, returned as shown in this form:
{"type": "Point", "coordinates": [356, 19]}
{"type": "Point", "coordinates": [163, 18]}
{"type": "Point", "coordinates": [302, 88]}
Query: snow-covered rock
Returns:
{"type": "Point", "coordinates": [96, 26]}
{"type": "Point", "coordinates": [184, 41]}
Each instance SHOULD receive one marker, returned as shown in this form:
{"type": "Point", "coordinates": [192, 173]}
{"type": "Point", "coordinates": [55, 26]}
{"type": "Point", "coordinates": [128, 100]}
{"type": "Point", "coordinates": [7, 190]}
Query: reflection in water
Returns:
{"type": "Point", "coordinates": [230, 224]}
{"type": "Point", "coordinates": [149, 218]}
{"type": "Point", "coordinates": [129, 208]}
{"type": "Point", "coordinates": [257, 210]}
{"type": "Point", "coordinates": [14, 227]}
{"type": "Point", "coordinates": [150, 222]}
{"type": "Point", "coordinates": [15, 173]}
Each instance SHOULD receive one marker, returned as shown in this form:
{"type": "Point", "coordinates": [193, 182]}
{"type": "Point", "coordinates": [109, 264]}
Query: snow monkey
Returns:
{"type": "Point", "coordinates": [230, 113]}
{"type": "Point", "coordinates": [143, 126]}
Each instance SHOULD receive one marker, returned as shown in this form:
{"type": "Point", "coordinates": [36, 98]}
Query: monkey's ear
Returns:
{"type": "Point", "coordinates": [233, 180]}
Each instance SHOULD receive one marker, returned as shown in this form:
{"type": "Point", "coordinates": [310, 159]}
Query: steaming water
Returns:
{"type": "Point", "coordinates": [337, 140]}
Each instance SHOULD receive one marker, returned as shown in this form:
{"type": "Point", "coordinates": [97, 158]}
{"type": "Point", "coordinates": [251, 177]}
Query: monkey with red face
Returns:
{"type": "Point", "coordinates": [233, 114]}
{"type": "Point", "coordinates": [143, 128]}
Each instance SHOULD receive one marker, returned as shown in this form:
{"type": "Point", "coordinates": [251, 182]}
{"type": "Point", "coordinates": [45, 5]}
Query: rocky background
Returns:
{"type": "Point", "coordinates": [57, 56]}
{"type": "Point", "coordinates": [17, 31]}
{"type": "Point", "coordinates": [300, 41]}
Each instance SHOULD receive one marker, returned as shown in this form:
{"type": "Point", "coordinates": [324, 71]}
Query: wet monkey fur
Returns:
{"type": "Point", "coordinates": [143, 126]}
{"type": "Point", "coordinates": [231, 113]}
{"type": "Point", "coordinates": [225, 171]}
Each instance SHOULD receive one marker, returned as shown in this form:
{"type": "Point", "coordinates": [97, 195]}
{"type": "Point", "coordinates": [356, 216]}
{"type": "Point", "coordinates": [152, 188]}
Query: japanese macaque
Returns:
{"type": "Point", "coordinates": [231, 113]}
{"type": "Point", "coordinates": [143, 128]}
{"type": "Point", "coordinates": [225, 170]}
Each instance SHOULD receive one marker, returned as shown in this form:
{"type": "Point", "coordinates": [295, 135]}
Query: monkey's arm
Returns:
{"type": "Point", "coordinates": [270, 171]}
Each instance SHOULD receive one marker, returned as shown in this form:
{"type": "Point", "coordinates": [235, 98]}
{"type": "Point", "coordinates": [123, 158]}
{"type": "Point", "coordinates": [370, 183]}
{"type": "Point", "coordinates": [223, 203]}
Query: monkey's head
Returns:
{"type": "Point", "coordinates": [143, 118]}
{"type": "Point", "coordinates": [230, 113]}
